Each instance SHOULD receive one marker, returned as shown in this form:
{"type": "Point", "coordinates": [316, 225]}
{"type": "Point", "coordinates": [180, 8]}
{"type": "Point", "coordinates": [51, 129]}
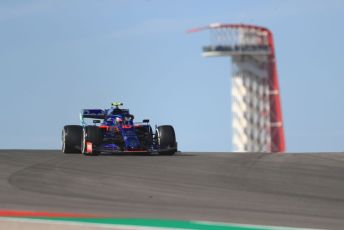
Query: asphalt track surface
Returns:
{"type": "Point", "coordinates": [297, 190]}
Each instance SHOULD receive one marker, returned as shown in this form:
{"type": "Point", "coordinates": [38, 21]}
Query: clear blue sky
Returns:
{"type": "Point", "coordinates": [57, 57]}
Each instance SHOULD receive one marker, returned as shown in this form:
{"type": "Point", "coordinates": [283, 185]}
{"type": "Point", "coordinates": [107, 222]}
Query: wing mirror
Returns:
{"type": "Point", "coordinates": [145, 121]}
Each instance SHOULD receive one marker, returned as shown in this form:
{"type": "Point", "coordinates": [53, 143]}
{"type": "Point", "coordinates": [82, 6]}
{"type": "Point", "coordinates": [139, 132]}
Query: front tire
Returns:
{"type": "Point", "coordinates": [166, 139]}
{"type": "Point", "coordinates": [71, 139]}
{"type": "Point", "coordinates": [92, 135]}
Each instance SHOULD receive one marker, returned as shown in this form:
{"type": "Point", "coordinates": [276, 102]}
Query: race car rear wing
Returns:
{"type": "Point", "coordinates": [91, 113]}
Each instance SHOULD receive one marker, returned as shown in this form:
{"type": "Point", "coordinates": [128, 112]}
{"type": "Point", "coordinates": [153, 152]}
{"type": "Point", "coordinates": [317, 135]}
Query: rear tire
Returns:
{"type": "Point", "coordinates": [94, 135]}
{"type": "Point", "coordinates": [166, 139]}
{"type": "Point", "coordinates": [71, 139]}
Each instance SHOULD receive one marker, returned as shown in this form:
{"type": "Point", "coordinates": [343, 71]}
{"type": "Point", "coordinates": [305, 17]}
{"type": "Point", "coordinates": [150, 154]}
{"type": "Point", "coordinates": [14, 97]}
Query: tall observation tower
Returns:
{"type": "Point", "coordinates": [257, 116]}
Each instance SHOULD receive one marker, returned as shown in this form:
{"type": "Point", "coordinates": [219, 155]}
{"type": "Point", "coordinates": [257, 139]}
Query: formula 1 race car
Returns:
{"type": "Point", "coordinates": [114, 130]}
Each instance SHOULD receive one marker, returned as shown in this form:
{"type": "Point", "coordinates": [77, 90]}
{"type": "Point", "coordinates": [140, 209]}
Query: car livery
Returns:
{"type": "Point", "coordinates": [114, 130]}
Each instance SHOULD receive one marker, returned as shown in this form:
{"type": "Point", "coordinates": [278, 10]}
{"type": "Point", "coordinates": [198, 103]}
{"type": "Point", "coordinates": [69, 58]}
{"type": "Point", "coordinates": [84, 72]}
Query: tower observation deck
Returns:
{"type": "Point", "coordinates": [256, 107]}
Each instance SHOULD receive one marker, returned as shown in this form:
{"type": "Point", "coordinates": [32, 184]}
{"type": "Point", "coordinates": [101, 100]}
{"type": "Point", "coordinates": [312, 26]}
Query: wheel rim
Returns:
{"type": "Point", "coordinates": [63, 141]}
{"type": "Point", "coordinates": [158, 137]}
{"type": "Point", "coordinates": [83, 142]}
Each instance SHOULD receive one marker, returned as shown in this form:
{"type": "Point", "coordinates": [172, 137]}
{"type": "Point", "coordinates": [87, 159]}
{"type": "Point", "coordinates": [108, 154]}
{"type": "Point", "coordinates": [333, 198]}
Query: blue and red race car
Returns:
{"type": "Point", "coordinates": [114, 130]}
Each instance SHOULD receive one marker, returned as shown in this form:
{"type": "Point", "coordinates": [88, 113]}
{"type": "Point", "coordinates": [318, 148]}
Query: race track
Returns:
{"type": "Point", "coordinates": [301, 190]}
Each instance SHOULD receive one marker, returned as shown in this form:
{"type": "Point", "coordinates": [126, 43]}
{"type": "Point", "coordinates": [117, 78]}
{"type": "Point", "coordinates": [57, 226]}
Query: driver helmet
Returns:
{"type": "Point", "coordinates": [119, 120]}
